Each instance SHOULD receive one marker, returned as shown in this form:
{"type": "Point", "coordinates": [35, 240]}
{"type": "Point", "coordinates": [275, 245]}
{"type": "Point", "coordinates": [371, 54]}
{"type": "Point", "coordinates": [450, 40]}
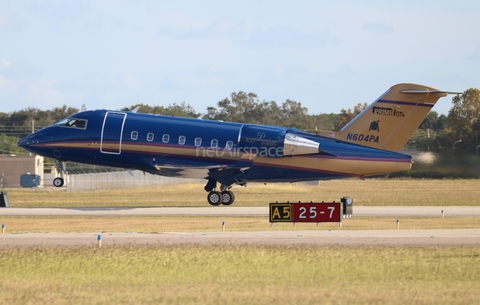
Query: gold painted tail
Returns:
{"type": "Point", "coordinates": [390, 121]}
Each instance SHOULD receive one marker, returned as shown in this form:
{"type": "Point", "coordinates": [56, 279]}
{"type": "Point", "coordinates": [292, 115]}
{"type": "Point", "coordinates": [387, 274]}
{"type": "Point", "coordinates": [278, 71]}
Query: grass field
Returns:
{"type": "Point", "coordinates": [23, 224]}
{"type": "Point", "coordinates": [241, 275]}
{"type": "Point", "coordinates": [371, 192]}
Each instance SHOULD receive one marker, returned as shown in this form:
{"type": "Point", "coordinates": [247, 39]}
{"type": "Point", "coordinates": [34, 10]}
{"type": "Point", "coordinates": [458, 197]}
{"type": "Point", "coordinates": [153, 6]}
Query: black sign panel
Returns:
{"type": "Point", "coordinates": [281, 212]}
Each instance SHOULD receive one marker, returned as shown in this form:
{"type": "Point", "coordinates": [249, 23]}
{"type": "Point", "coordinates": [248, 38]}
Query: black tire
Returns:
{"type": "Point", "coordinates": [227, 197]}
{"type": "Point", "coordinates": [58, 182]}
{"type": "Point", "coordinates": [214, 198]}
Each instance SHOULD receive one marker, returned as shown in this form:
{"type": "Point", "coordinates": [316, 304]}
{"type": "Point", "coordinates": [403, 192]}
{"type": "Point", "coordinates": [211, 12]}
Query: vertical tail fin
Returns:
{"type": "Point", "coordinates": [390, 121]}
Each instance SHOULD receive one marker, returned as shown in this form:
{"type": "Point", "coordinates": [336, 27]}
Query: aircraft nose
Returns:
{"type": "Point", "coordinates": [23, 143]}
{"type": "Point", "coordinates": [27, 142]}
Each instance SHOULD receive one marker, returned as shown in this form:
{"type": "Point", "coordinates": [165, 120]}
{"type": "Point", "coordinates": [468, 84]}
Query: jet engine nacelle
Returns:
{"type": "Point", "coordinates": [274, 142]}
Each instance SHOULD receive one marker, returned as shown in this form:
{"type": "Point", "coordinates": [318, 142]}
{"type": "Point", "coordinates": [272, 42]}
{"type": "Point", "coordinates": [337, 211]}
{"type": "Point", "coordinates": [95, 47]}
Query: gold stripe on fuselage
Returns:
{"type": "Point", "coordinates": [314, 163]}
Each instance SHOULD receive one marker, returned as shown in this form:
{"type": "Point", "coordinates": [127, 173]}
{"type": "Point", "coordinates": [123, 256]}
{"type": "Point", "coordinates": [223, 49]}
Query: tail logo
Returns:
{"type": "Point", "coordinates": [387, 111]}
{"type": "Point", "coordinates": [374, 126]}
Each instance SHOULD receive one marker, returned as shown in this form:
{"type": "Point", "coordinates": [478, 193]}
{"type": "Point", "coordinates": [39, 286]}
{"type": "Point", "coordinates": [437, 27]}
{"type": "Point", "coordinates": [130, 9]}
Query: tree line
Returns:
{"type": "Point", "coordinates": [458, 131]}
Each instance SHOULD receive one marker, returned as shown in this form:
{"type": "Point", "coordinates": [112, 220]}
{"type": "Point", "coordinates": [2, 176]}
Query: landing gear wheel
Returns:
{"type": "Point", "coordinates": [227, 197]}
{"type": "Point", "coordinates": [214, 198]}
{"type": "Point", "coordinates": [58, 182]}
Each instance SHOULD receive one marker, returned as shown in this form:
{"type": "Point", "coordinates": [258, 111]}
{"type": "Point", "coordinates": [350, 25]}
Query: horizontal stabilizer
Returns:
{"type": "Point", "coordinates": [428, 91]}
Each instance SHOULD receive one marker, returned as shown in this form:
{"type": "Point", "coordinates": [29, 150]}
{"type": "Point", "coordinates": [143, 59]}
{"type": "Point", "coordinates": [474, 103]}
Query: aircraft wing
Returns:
{"type": "Point", "coordinates": [221, 172]}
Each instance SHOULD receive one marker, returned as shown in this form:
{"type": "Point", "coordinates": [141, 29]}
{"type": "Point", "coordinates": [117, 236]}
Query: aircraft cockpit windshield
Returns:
{"type": "Point", "coordinates": [73, 123]}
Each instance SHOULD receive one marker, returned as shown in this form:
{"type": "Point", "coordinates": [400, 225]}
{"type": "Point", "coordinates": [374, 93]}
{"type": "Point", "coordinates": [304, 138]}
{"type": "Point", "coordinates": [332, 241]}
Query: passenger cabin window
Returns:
{"type": "Point", "coordinates": [214, 143]}
{"type": "Point", "coordinates": [181, 140]}
{"type": "Point", "coordinates": [134, 135]}
{"type": "Point", "coordinates": [73, 123]}
{"type": "Point", "coordinates": [229, 145]}
{"type": "Point", "coordinates": [150, 137]}
{"type": "Point", "coordinates": [198, 141]}
{"type": "Point", "coordinates": [166, 138]}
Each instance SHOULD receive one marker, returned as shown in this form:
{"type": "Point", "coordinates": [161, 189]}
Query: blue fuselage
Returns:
{"type": "Point", "coordinates": [227, 152]}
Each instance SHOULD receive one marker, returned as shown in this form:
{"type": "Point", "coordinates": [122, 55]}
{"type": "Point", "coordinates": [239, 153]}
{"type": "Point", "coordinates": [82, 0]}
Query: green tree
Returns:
{"type": "Point", "coordinates": [463, 119]}
{"type": "Point", "coordinates": [183, 109]}
{"type": "Point", "coordinates": [245, 107]}
{"type": "Point", "coordinates": [242, 107]}
{"type": "Point", "coordinates": [434, 122]}
{"type": "Point", "coordinates": [8, 146]}
{"type": "Point", "coordinates": [294, 114]}
{"type": "Point", "coordinates": [348, 115]}
{"type": "Point", "coordinates": [432, 134]}
{"type": "Point", "coordinates": [20, 123]}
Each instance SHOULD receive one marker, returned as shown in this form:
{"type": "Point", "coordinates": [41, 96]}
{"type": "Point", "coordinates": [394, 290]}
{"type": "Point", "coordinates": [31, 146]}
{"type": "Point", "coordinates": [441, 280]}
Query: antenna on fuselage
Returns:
{"type": "Point", "coordinates": [200, 117]}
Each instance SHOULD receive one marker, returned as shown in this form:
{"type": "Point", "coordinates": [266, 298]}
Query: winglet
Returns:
{"type": "Point", "coordinates": [136, 109]}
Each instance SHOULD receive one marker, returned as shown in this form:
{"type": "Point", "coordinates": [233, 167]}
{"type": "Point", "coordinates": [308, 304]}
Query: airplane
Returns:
{"type": "Point", "coordinates": [227, 153]}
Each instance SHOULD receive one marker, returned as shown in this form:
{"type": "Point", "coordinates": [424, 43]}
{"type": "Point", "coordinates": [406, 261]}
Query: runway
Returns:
{"type": "Point", "coordinates": [387, 211]}
{"type": "Point", "coordinates": [338, 237]}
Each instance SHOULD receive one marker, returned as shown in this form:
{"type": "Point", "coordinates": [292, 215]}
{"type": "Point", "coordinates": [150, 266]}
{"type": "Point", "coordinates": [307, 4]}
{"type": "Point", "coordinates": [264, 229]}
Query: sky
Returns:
{"type": "Point", "coordinates": [327, 55]}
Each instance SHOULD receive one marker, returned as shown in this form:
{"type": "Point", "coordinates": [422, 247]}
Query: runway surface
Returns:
{"type": "Point", "coordinates": [387, 211]}
{"type": "Point", "coordinates": [338, 237]}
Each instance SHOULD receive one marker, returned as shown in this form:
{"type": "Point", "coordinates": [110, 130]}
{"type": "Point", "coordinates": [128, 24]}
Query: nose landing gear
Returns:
{"type": "Point", "coordinates": [59, 181]}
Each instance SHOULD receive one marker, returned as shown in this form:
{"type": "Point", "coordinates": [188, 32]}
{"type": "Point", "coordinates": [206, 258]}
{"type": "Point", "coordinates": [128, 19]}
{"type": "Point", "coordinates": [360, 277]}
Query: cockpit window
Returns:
{"type": "Point", "coordinates": [73, 123]}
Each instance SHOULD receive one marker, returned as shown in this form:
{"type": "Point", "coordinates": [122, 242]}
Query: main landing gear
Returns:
{"type": "Point", "coordinates": [217, 198]}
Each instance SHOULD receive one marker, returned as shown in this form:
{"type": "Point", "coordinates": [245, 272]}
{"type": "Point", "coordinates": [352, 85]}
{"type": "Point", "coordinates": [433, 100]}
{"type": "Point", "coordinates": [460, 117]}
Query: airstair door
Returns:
{"type": "Point", "coordinates": [112, 131]}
